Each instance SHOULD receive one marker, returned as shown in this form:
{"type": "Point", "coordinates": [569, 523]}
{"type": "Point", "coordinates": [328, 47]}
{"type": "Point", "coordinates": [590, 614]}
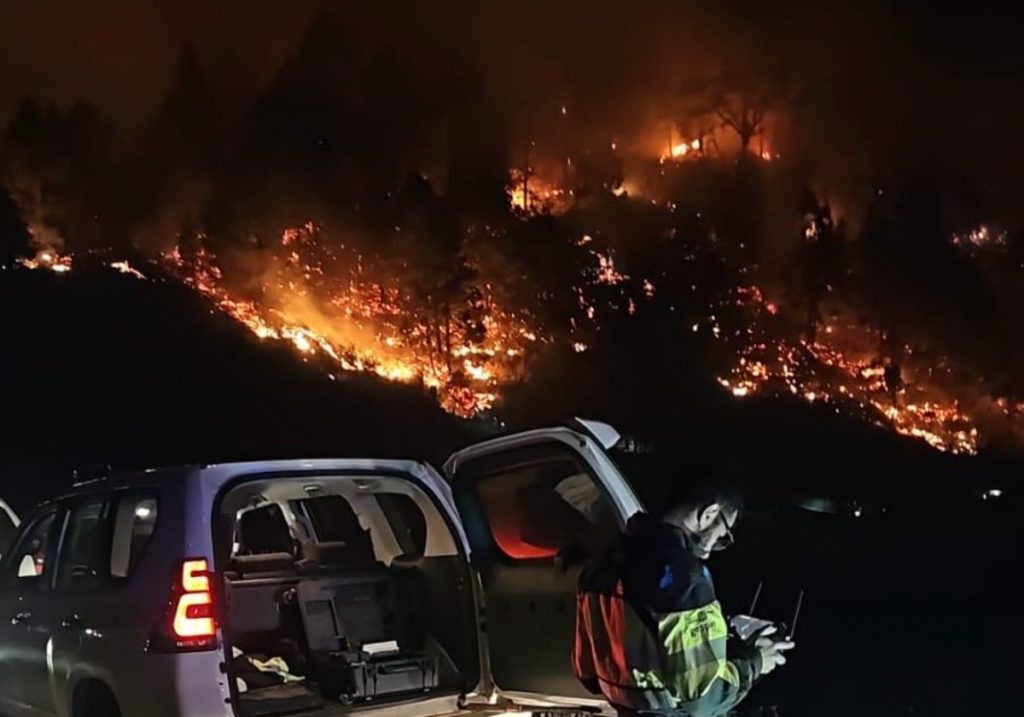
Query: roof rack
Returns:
{"type": "Point", "coordinates": [89, 474]}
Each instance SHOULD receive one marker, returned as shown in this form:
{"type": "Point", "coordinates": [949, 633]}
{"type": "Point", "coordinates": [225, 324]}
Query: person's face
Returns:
{"type": "Point", "coordinates": [713, 529]}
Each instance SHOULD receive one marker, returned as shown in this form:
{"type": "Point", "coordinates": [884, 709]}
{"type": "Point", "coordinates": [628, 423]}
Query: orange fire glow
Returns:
{"type": "Point", "coordinates": [50, 259]}
{"type": "Point", "coordinates": [537, 195]}
{"type": "Point", "coordinates": [842, 368]}
{"type": "Point", "coordinates": [357, 324]}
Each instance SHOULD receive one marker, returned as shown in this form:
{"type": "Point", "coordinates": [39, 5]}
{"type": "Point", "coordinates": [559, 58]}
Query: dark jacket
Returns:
{"type": "Point", "coordinates": [650, 634]}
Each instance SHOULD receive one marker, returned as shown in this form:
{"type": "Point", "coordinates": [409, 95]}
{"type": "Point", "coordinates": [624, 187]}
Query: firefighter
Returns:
{"type": "Point", "coordinates": [650, 633]}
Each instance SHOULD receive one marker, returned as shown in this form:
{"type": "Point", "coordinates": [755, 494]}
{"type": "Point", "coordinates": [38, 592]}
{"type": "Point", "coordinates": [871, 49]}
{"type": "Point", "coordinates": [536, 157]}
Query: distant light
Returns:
{"type": "Point", "coordinates": [858, 513]}
{"type": "Point", "coordinates": [143, 512]}
{"type": "Point", "coordinates": [994, 493]}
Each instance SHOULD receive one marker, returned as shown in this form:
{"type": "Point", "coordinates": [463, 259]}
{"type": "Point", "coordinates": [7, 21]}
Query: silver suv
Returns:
{"type": "Point", "coordinates": [314, 587]}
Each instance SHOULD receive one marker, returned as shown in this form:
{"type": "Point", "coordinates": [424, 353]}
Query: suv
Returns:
{"type": "Point", "coordinates": [318, 587]}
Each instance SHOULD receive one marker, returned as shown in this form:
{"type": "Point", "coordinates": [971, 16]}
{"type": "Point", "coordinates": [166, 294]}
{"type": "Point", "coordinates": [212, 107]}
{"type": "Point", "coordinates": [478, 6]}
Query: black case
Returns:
{"type": "Point", "coordinates": [353, 677]}
{"type": "Point", "coordinates": [341, 615]}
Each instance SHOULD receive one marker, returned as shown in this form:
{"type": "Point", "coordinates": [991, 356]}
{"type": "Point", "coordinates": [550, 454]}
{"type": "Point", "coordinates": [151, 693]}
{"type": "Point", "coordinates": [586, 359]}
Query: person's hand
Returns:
{"type": "Point", "coordinates": [773, 652]}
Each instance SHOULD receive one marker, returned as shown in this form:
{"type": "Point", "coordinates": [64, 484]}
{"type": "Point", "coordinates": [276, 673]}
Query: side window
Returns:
{"type": "Point", "coordinates": [407, 522]}
{"type": "Point", "coordinates": [31, 561]}
{"type": "Point", "coordinates": [134, 524]}
{"type": "Point", "coordinates": [334, 519]}
{"type": "Point", "coordinates": [85, 553]}
{"type": "Point", "coordinates": [544, 501]}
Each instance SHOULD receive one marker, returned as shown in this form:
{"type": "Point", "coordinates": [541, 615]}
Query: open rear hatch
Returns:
{"type": "Point", "coordinates": [357, 578]}
{"type": "Point", "coordinates": [535, 507]}
{"type": "Point", "coordinates": [344, 589]}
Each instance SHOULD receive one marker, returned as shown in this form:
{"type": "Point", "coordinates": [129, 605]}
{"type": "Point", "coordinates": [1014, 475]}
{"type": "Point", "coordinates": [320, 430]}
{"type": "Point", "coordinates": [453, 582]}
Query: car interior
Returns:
{"type": "Point", "coordinates": [342, 591]}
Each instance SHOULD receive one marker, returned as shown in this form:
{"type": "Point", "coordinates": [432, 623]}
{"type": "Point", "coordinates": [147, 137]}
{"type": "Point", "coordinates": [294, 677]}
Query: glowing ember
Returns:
{"type": "Point", "coordinates": [125, 268]}
{"type": "Point", "coordinates": [606, 272]}
{"type": "Point", "coordinates": [49, 259]}
{"type": "Point", "coordinates": [980, 238]}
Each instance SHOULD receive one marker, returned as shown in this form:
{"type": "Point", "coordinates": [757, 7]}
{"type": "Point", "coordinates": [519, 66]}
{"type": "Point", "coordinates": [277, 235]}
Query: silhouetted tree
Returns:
{"type": "Point", "coordinates": [58, 167]}
{"type": "Point", "coordinates": [822, 257]}
{"type": "Point", "coordinates": [15, 241]}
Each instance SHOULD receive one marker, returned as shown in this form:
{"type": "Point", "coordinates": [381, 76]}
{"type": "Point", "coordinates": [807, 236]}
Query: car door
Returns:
{"type": "Point", "coordinates": [27, 574]}
{"type": "Point", "coordinates": [9, 524]}
{"type": "Point", "coordinates": [535, 507]}
{"type": "Point", "coordinates": [100, 630]}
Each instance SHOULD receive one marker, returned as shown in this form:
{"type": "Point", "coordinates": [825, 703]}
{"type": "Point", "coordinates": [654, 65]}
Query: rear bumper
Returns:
{"type": "Point", "coordinates": [180, 685]}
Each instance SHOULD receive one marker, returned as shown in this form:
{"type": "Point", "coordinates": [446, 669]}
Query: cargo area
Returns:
{"type": "Point", "coordinates": [342, 593]}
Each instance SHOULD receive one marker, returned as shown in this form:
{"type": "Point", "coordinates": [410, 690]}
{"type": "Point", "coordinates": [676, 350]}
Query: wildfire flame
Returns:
{"type": "Point", "coordinates": [358, 324]}
{"type": "Point", "coordinates": [350, 322]}
{"type": "Point", "coordinates": [980, 238]}
{"type": "Point", "coordinates": [50, 259]}
{"type": "Point", "coordinates": [536, 195]}
{"type": "Point", "coordinates": [818, 371]}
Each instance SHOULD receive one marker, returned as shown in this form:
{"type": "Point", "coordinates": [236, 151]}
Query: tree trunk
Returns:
{"type": "Point", "coordinates": [745, 137]}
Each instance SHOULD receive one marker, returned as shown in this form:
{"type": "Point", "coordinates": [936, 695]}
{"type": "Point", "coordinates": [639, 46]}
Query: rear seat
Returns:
{"type": "Point", "coordinates": [260, 579]}
{"type": "Point", "coordinates": [268, 565]}
{"type": "Point", "coordinates": [346, 596]}
{"type": "Point", "coordinates": [266, 548]}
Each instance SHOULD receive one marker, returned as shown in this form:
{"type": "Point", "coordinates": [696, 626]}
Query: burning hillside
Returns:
{"type": "Point", "coordinates": [325, 304]}
{"type": "Point", "coordinates": [842, 367]}
{"type": "Point", "coordinates": [378, 238]}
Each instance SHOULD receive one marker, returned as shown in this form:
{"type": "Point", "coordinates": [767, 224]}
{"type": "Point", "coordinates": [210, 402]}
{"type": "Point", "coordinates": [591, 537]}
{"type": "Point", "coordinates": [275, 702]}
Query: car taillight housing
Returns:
{"type": "Point", "coordinates": [190, 624]}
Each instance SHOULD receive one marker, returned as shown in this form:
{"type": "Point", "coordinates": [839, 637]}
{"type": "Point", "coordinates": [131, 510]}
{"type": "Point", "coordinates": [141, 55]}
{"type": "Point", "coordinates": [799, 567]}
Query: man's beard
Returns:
{"type": "Point", "coordinates": [701, 544]}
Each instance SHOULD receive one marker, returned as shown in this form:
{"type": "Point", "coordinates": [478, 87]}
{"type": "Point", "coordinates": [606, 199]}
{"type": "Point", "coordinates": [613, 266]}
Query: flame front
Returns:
{"type": "Point", "coordinates": [358, 324]}
{"type": "Point", "coordinates": [855, 379]}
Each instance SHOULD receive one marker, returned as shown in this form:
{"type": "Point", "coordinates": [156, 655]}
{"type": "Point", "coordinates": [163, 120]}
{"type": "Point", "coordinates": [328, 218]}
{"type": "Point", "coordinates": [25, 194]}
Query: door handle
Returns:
{"type": "Point", "coordinates": [71, 622]}
{"type": "Point", "coordinates": [21, 618]}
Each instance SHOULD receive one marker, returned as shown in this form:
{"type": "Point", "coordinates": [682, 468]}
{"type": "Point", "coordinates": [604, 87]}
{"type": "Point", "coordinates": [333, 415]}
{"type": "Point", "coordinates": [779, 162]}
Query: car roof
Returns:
{"type": "Point", "coordinates": [214, 476]}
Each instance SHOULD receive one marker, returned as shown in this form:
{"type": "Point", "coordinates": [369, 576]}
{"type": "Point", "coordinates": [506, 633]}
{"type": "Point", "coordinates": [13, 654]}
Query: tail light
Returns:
{"type": "Point", "coordinates": [190, 623]}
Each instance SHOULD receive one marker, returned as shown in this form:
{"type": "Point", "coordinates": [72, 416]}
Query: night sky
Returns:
{"type": "Point", "coordinates": [878, 79]}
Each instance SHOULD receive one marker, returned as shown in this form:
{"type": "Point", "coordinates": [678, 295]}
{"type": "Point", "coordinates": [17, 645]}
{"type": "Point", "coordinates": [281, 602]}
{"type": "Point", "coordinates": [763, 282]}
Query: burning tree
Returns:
{"type": "Point", "coordinates": [738, 99]}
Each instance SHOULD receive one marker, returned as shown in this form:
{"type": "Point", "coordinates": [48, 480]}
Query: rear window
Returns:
{"type": "Point", "coordinates": [333, 519]}
{"type": "Point", "coordinates": [408, 524]}
{"type": "Point", "coordinates": [134, 524]}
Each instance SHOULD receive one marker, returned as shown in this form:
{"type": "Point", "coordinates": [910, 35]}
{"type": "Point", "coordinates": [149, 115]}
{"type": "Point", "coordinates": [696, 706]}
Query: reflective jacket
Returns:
{"type": "Point", "coordinates": [650, 635]}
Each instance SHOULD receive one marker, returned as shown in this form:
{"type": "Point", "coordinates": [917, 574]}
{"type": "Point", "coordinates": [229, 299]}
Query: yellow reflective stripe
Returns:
{"type": "Point", "coordinates": [695, 647]}
{"type": "Point", "coordinates": [680, 631]}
